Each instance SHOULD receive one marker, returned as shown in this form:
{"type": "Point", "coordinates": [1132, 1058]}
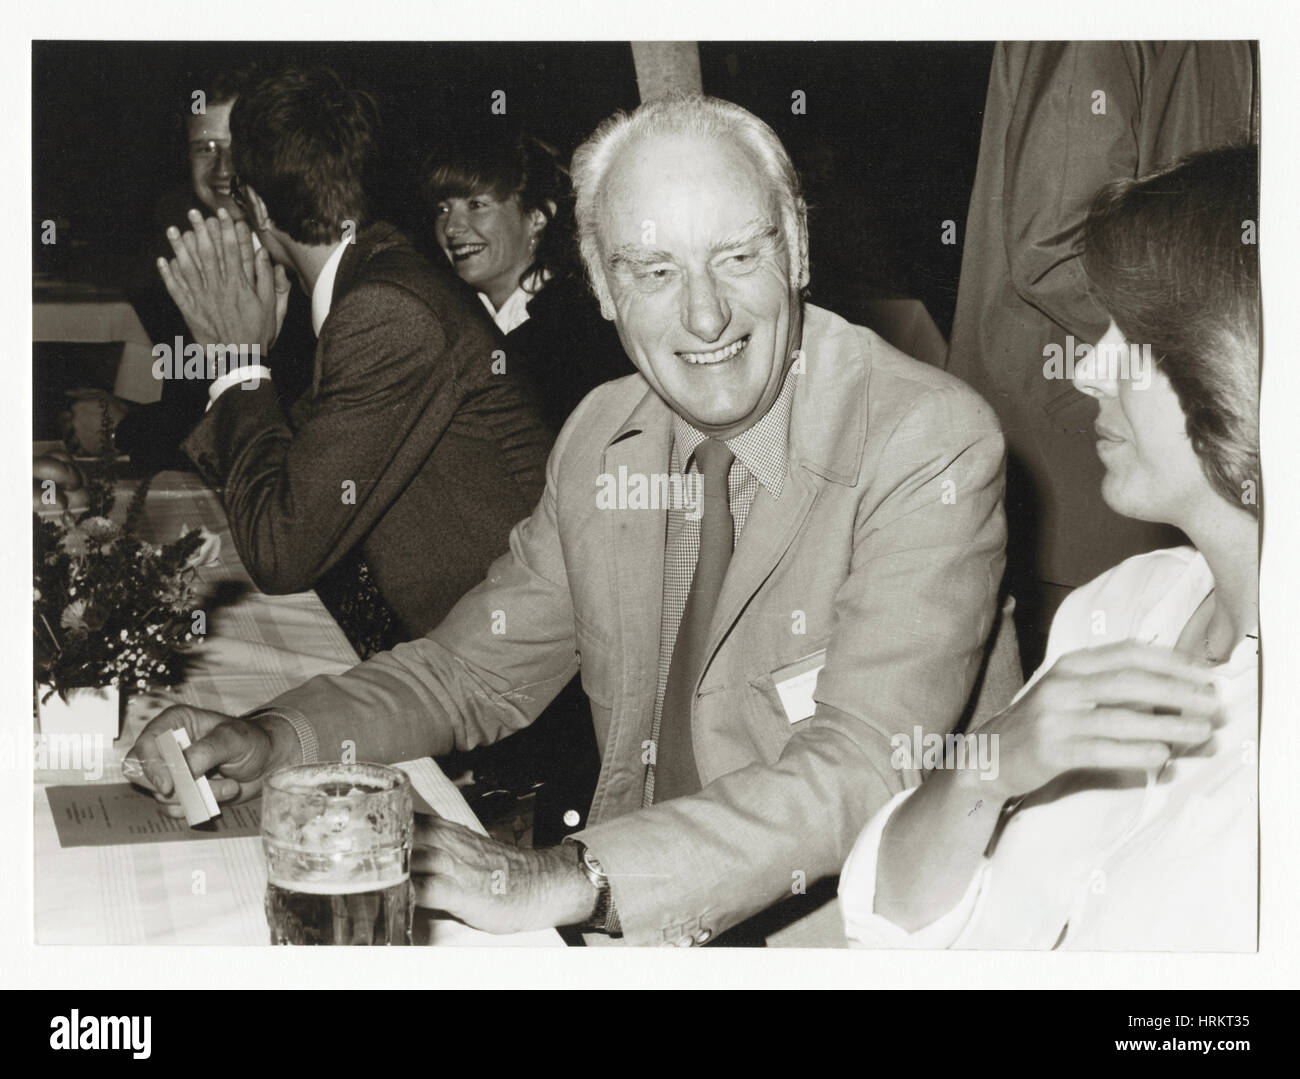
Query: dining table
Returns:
{"type": "Point", "coordinates": [183, 886]}
{"type": "Point", "coordinates": [84, 313]}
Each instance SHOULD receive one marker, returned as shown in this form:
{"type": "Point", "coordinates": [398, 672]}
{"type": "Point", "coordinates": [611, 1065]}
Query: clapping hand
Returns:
{"type": "Point", "coordinates": [228, 293]}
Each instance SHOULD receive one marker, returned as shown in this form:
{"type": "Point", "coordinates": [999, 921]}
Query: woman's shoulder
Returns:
{"type": "Point", "coordinates": [566, 331]}
{"type": "Point", "coordinates": [563, 298]}
{"type": "Point", "coordinates": [1167, 563]}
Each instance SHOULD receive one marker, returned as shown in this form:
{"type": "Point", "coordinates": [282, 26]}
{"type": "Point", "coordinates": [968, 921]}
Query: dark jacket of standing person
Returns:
{"type": "Point", "coordinates": [1061, 120]}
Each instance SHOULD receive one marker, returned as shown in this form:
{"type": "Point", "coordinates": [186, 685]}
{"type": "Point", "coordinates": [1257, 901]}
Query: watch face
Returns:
{"type": "Point", "coordinates": [591, 863]}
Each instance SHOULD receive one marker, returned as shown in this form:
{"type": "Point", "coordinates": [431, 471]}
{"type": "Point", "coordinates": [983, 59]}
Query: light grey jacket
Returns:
{"type": "Point", "coordinates": [884, 551]}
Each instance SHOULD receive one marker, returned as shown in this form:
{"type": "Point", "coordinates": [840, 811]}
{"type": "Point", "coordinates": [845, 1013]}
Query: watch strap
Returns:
{"type": "Point", "coordinates": [604, 918]}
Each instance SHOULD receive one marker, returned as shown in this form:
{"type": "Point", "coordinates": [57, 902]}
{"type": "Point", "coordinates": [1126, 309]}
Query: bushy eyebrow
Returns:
{"type": "Point", "coordinates": [636, 255]}
{"type": "Point", "coordinates": [754, 232]}
{"type": "Point", "coordinates": [758, 231]}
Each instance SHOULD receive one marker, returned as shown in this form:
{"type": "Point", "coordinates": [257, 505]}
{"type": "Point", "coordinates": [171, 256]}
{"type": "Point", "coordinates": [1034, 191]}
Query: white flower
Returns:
{"type": "Point", "coordinates": [209, 548]}
{"type": "Point", "coordinates": [73, 616]}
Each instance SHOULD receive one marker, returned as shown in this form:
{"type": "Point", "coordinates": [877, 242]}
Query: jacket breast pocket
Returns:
{"type": "Point", "coordinates": [783, 699]}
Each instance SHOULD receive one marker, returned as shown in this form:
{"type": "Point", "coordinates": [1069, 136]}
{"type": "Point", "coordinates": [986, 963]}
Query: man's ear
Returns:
{"type": "Point", "coordinates": [601, 289]}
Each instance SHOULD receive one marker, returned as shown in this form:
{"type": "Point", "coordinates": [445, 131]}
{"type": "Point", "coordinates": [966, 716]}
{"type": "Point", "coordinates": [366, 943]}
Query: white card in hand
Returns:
{"type": "Point", "coordinates": [194, 793]}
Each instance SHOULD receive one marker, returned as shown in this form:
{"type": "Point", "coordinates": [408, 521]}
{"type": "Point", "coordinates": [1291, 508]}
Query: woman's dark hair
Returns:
{"type": "Point", "coordinates": [507, 166]}
{"type": "Point", "coordinates": [304, 142]}
{"type": "Point", "coordinates": [1173, 258]}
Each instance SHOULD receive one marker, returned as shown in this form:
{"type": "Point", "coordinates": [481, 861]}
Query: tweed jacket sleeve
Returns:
{"type": "Point", "coordinates": [390, 376]}
{"type": "Point", "coordinates": [490, 668]}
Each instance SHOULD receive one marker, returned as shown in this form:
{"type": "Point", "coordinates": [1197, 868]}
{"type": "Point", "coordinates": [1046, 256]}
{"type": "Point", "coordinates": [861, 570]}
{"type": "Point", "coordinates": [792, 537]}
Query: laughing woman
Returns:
{"type": "Point", "coordinates": [1122, 810]}
{"type": "Point", "coordinates": [502, 214]}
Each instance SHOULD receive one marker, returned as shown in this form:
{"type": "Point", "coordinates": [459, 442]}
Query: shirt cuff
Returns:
{"type": "Point", "coordinates": [308, 746]}
{"type": "Point", "coordinates": [863, 927]}
{"type": "Point", "coordinates": [253, 372]}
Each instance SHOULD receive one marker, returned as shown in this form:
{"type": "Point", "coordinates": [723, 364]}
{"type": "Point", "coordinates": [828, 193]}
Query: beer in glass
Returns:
{"type": "Point", "coordinates": [337, 839]}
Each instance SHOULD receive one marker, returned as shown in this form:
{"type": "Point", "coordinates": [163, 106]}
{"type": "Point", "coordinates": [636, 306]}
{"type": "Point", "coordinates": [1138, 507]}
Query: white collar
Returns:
{"type": "Point", "coordinates": [1165, 622]}
{"type": "Point", "coordinates": [322, 296]}
{"type": "Point", "coordinates": [513, 313]}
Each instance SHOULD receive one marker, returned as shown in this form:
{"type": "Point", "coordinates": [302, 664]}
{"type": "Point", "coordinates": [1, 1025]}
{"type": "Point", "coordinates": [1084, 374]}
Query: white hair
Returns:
{"type": "Point", "coordinates": [686, 114]}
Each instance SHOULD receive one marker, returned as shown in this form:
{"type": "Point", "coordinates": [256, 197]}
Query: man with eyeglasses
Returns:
{"type": "Point", "coordinates": [750, 652]}
{"type": "Point", "coordinates": [151, 433]}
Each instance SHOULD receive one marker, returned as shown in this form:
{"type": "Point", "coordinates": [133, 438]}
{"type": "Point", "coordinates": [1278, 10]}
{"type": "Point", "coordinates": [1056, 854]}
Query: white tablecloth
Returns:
{"type": "Point", "coordinates": [209, 891]}
{"type": "Point", "coordinates": [93, 321]}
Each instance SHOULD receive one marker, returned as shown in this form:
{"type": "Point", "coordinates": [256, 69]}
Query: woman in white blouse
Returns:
{"type": "Point", "coordinates": [1121, 811]}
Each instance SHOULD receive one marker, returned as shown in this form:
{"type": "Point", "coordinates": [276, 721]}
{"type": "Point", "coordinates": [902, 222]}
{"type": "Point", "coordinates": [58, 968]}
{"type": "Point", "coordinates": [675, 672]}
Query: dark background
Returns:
{"type": "Point", "coordinates": [887, 146]}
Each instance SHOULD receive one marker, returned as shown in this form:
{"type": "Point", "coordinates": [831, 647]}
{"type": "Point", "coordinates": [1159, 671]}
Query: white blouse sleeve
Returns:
{"type": "Point", "coordinates": [863, 927]}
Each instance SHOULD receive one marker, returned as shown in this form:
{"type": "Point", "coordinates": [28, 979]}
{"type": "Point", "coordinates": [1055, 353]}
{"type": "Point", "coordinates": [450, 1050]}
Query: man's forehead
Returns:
{"type": "Point", "coordinates": [701, 185]}
{"type": "Point", "coordinates": [214, 123]}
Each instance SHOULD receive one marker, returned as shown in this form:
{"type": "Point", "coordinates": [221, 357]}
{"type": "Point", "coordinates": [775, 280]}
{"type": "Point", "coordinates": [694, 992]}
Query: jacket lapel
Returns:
{"type": "Point", "coordinates": [770, 529]}
{"type": "Point", "coordinates": [358, 252]}
{"type": "Point", "coordinates": [354, 258]}
{"type": "Point", "coordinates": [828, 429]}
{"type": "Point", "coordinates": [636, 538]}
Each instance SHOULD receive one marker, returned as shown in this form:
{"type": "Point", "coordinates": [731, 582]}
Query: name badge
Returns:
{"type": "Point", "coordinates": [796, 683]}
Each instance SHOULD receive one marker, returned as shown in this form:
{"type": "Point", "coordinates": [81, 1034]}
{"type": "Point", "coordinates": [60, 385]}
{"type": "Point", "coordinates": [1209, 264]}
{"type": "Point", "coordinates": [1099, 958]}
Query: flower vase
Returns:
{"type": "Point", "coordinates": [94, 710]}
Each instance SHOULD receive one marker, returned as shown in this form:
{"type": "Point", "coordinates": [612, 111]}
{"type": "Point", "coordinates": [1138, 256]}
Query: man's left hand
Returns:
{"type": "Point", "coordinates": [495, 887]}
{"type": "Point", "coordinates": [228, 293]}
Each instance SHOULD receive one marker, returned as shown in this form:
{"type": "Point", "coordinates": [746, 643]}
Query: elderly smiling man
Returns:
{"type": "Point", "coordinates": [850, 524]}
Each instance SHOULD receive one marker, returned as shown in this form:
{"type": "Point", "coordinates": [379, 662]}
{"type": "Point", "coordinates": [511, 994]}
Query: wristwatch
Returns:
{"type": "Point", "coordinates": [604, 918]}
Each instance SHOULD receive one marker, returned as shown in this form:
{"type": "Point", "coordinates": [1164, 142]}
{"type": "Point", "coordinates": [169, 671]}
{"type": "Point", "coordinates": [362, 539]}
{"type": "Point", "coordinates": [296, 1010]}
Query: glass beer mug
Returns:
{"type": "Point", "coordinates": [337, 839]}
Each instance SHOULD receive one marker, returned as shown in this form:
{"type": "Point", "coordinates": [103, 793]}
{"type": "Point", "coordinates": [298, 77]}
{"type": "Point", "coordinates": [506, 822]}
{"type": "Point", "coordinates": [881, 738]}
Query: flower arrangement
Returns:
{"type": "Point", "coordinates": [110, 608]}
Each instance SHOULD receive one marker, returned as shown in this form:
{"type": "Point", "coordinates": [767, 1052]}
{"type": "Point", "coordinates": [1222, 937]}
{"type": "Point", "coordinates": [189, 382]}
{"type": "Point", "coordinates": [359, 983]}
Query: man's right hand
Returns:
{"type": "Point", "coordinates": [236, 754]}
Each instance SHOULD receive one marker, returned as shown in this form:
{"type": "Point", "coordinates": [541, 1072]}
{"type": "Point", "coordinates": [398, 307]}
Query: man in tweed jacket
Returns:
{"type": "Point", "coordinates": [408, 448]}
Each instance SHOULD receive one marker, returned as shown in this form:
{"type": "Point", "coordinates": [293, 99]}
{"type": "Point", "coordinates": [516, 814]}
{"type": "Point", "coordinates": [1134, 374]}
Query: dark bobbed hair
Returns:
{"type": "Point", "coordinates": [1172, 258]}
{"type": "Point", "coordinates": [305, 142]}
{"type": "Point", "coordinates": [511, 165]}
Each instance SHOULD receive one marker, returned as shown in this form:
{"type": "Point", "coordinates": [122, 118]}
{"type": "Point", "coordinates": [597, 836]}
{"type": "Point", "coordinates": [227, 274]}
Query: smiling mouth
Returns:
{"type": "Point", "coordinates": [718, 355]}
{"type": "Point", "coordinates": [460, 252]}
